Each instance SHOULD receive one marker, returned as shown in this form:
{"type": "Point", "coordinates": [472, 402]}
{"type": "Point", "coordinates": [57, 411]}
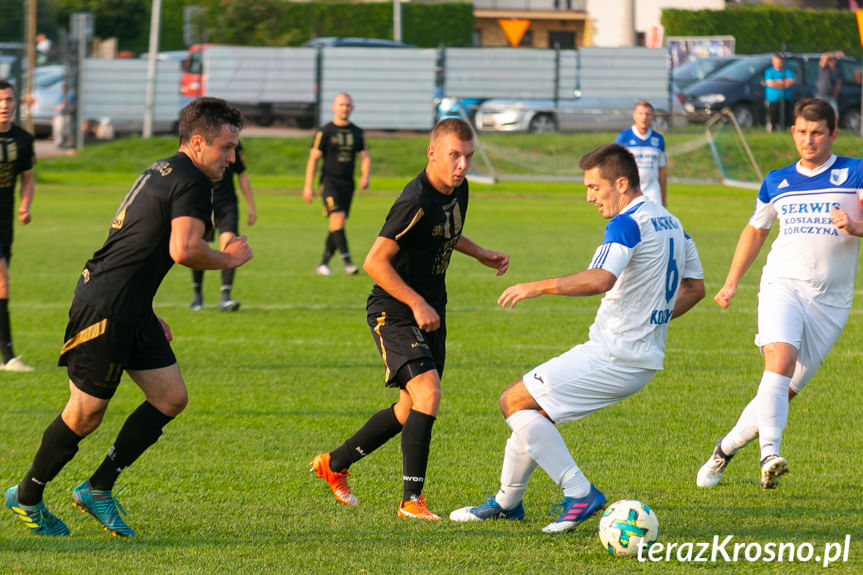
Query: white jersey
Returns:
{"type": "Point", "coordinates": [810, 254]}
{"type": "Point", "coordinates": [649, 152]}
{"type": "Point", "coordinates": [646, 248]}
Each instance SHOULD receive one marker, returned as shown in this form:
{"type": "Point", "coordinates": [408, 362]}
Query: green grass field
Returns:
{"type": "Point", "coordinates": [227, 489]}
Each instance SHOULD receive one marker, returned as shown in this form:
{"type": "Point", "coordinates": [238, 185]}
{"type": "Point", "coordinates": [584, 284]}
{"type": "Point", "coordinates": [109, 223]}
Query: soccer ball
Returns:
{"type": "Point", "coordinates": [625, 525]}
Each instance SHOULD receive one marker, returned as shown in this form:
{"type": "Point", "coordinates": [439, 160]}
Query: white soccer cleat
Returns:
{"type": "Point", "coordinates": [15, 364]}
{"type": "Point", "coordinates": [711, 472]}
{"type": "Point", "coordinates": [351, 269]}
{"type": "Point", "coordinates": [772, 468]}
{"type": "Point", "coordinates": [323, 270]}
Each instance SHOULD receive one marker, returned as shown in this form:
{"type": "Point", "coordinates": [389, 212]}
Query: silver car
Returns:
{"type": "Point", "coordinates": [48, 84]}
{"type": "Point", "coordinates": [564, 115]}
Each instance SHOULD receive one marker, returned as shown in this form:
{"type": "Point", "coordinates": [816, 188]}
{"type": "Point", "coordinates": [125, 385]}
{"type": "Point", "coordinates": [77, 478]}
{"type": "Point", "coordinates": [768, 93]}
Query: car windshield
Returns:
{"type": "Point", "coordinates": [742, 70]}
{"type": "Point", "coordinates": [700, 69]}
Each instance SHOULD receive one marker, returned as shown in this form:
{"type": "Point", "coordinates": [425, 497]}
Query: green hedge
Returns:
{"type": "Point", "coordinates": [767, 28]}
{"type": "Point", "coordinates": [280, 23]}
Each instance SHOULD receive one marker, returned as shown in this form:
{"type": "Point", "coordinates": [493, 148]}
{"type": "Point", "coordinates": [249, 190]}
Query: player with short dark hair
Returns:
{"type": "Point", "coordinates": [807, 284]}
{"type": "Point", "coordinates": [112, 327]}
{"type": "Point", "coordinates": [338, 143]}
{"type": "Point", "coordinates": [648, 147]}
{"type": "Point", "coordinates": [407, 313]}
{"type": "Point", "coordinates": [226, 219]}
{"type": "Point", "coordinates": [649, 272]}
{"type": "Point", "coordinates": [16, 160]}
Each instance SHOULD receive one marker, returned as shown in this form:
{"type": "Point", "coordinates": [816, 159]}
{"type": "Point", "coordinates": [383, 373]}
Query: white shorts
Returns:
{"type": "Point", "coordinates": [784, 316]}
{"type": "Point", "coordinates": [580, 381]}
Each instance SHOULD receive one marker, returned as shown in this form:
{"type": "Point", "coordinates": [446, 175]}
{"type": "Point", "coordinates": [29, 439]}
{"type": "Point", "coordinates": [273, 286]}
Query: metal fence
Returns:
{"type": "Point", "coordinates": [392, 88]}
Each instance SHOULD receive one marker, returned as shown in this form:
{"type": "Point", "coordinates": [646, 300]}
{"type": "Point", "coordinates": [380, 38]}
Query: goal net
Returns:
{"type": "Point", "coordinates": [716, 152]}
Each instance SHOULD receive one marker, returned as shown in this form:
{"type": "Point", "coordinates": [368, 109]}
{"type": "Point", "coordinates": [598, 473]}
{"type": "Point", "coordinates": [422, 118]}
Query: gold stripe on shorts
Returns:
{"type": "Point", "coordinates": [85, 335]}
{"type": "Point", "coordinates": [381, 320]}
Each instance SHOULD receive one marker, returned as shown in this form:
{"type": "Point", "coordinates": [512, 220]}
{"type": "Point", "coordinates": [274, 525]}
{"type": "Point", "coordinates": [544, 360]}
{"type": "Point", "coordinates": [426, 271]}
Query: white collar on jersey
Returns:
{"type": "Point", "coordinates": [815, 171]}
{"type": "Point", "coordinates": [639, 135]}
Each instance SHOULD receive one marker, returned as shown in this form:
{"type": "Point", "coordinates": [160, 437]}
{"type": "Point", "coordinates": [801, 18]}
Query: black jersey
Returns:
{"type": "Point", "coordinates": [426, 224]}
{"type": "Point", "coordinates": [16, 156]}
{"type": "Point", "coordinates": [121, 279]}
{"type": "Point", "coordinates": [224, 191]}
{"type": "Point", "coordinates": [339, 145]}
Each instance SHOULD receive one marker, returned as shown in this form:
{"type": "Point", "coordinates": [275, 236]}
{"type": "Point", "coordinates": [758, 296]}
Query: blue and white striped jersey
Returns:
{"type": "Point", "coordinates": [649, 152]}
{"type": "Point", "coordinates": [819, 260]}
{"type": "Point", "coordinates": [646, 248]}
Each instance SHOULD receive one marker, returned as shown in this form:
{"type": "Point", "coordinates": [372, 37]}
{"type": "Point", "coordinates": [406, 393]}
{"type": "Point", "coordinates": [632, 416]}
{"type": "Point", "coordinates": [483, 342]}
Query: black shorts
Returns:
{"type": "Point", "coordinates": [6, 241]}
{"type": "Point", "coordinates": [226, 218]}
{"type": "Point", "coordinates": [98, 350]}
{"type": "Point", "coordinates": [337, 198]}
{"type": "Point", "coordinates": [400, 341]}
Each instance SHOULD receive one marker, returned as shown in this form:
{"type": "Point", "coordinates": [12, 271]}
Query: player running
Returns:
{"type": "Point", "coordinates": [807, 284]}
{"type": "Point", "coordinates": [649, 271]}
{"type": "Point", "coordinates": [112, 327]}
{"type": "Point", "coordinates": [407, 313]}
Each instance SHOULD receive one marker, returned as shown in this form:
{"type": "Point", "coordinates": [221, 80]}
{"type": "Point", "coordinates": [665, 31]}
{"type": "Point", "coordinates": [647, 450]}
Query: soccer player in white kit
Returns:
{"type": "Point", "coordinates": [649, 271]}
{"type": "Point", "coordinates": [806, 286]}
{"type": "Point", "coordinates": [648, 147]}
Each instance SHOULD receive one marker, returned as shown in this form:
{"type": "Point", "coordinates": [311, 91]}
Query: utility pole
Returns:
{"type": "Point", "coordinates": [155, 19]}
{"type": "Point", "coordinates": [27, 98]}
{"type": "Point", "coordinates": [397, 20]}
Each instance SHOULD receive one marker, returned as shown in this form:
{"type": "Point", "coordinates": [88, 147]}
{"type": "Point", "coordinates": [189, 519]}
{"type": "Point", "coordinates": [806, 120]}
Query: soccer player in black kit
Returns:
{"type": "Point", "coordinates": [338, 143]}
{"type": "Point", "coordinates": [16, 159]}
{"type": "Point", "coordinates": [112, 327]}
{"type": "Point", "coordinates": [225, 218]}
{"type": "Point", "coordinates": [406, 313]}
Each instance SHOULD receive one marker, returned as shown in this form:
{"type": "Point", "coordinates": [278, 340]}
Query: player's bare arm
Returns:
{"type": "Point", "coordinates": [663, 184]}
{"type": "Point", "coordinates": [311, 168]}
{"type": "Point", "coordinates": [497, 260]}
{"type": "Point", "coordinates": [28, 187]}
{"type": "Point", "coordinates": [584, 283]}
{"type": "Point", "coordinates": [246, 188]}
{"type": "Point", "coordinates": [748, 246]}
{"type": "Point", "coordinates": [691, 292]}
{"type": "Point", "coordinates": [378, 264]}
{"type": "Point", "coordinates": [843, 221]}
{"type": "Point", "coordinates": [188, 248]}
{"type": "Point", "coordinates": [365, 169]}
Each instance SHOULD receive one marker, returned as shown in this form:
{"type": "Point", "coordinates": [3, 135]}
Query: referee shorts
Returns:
{"type": "Point", "coordinates": [784, 316]}
{"type": "Point", "coordinates": [98, 349]}
{"type": "Point", "coordinates": [580, 381]}
{"type": "Point", "coordinates": [407, 351]}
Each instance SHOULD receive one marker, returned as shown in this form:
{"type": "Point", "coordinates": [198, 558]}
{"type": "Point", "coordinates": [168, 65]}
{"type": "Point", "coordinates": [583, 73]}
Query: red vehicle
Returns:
{"type": "Point", "coordinates": [265, 83]}
{"type": "Point", "coordinates": [192, 80]}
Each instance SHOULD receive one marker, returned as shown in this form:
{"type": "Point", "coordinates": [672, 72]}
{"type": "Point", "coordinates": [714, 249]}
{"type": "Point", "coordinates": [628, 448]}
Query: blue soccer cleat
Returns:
{"type": "Point", "coordinates": [36, 517]}
{"type": "Point", "coordinates": [104, 507]}
{"type": "Point", "coordinates": [488, 510]}
{"type": "Point", "coordinates": [575, 510]}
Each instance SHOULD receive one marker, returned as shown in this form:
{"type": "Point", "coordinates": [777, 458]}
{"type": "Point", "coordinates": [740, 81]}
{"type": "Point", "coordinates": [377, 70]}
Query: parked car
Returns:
{"type": "Point", "coordinates": [740, 87]}
{"type": "Point", "coordinates": [48, 82]}
{"type": "Point", "coordinates": [350, 42]}
{"type": "Point", "coordinates": [699, 69]}
{"type": "Point", "coordinates": [564, 115]}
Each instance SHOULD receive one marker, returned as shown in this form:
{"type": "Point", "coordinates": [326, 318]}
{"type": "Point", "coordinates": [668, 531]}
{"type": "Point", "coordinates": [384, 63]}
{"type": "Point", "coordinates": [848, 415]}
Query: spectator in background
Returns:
{"type": "Point", "coordinates": [777, 92]}
{"type": "Point", "coordinates": [829, 80]}
{"type": "Point", "coordinates": [44, 50]}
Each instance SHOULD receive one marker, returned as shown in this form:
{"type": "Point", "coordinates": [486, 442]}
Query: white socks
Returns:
{"type": "Point", "coordinates": [772, 411]}
{"type": "Point", "coordinates": [537, 437]}
{"type": "Point", "coordinates": [517, 467]}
